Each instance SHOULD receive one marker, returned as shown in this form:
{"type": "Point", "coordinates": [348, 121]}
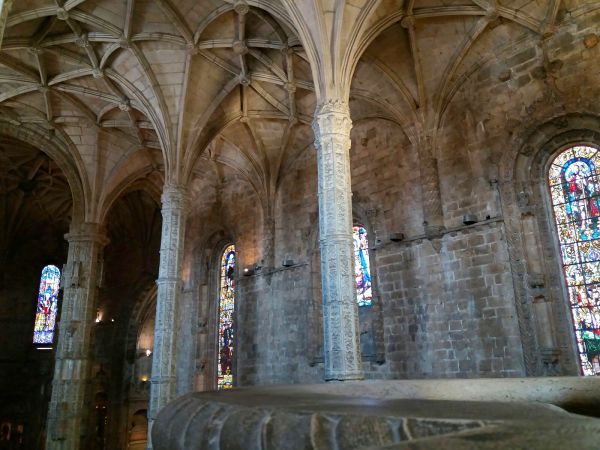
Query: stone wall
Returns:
{"type": "Point", "coordinates": [454, 306]}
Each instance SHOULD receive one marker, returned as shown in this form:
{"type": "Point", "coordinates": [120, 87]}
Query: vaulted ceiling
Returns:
{"type": "Point", "coordinates": [132, 90]}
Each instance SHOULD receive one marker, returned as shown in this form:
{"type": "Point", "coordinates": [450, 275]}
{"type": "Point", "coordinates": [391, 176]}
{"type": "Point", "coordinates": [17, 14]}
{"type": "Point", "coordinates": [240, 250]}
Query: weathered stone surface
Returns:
{"type": "Point", "coordinates": [456, 109]}
{"type": "Point", "coordinates": [68, 413]}
{"type": "Point", "coordinates": [372, 415]}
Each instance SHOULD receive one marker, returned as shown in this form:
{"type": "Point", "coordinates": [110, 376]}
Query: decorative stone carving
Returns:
{"type": "Point", "coordinates": [241, 7]}
{"type": "Point", "coordinates": [62, 14]}
{"type": "Point", "coordinates": [239, 47]}
{"type": "Point", "coordinates": [67, 412]}
{"type": "Point", "coordinates": [163, 386]}
{"type": "Point", "coordinates": [510, 413]}
{"type": "Point", "coordinates": [332, 127]}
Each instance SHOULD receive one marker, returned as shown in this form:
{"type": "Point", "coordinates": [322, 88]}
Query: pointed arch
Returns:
{"type": "Point", "coordinates": [575, 196]}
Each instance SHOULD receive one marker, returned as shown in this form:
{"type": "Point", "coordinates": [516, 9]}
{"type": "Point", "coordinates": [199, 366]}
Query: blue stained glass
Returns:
{"type": "Point", "coordinates": [47, 306]}
{"type": "Point", "coordinates": [362, 268]}
{"type": "Point", "coordinates": [575, 194]}
{"type": "Point", "coordinates": [226, 328]}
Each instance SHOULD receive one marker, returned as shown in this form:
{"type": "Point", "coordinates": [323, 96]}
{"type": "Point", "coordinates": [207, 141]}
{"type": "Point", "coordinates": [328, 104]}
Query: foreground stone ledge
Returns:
{"type": "Point", "coordinates": [424, 414]}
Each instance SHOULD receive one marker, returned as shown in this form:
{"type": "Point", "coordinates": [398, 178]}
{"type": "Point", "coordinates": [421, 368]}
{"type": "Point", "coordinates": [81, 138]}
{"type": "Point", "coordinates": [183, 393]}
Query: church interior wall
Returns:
{"type": "Point", "coordinates": [483, 298]}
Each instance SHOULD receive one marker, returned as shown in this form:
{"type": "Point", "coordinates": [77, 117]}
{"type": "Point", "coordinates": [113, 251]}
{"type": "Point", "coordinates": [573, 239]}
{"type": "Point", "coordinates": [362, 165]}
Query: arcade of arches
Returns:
{"type": "Point", "coordinates": [141, 139]}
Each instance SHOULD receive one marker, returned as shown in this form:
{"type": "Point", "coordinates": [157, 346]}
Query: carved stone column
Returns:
{"type": "Point", "coordinates": [433, 217]}
{"type": "Point", "coordinates": [332, 127]}
{"type": "Point", "coordinates": [163, 381]}
{"type": "Point", "coordinates": [68, 410]}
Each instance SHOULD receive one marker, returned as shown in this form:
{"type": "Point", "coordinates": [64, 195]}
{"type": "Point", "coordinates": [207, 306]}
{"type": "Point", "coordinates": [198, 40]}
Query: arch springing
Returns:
{"type": "Point", "coordinates": [225, 324]}
{"type": "Point", "coordinates": [362, 268]}
{"type": "Point", "coordinates": [47, 306]}
{"type": "Point", "coordinates": [575, 194]}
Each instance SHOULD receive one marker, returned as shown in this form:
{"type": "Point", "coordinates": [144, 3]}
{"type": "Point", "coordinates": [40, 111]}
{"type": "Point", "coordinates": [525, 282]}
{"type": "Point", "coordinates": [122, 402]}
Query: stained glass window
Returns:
{"type": "Point", "coordinates": [575, 196]}
{"type": "Point", "coordinates": [47, 306]}
{"type": "Point", "coordinates": [362, 269]}
{"type": "Point", "coordinates": [226, 328]}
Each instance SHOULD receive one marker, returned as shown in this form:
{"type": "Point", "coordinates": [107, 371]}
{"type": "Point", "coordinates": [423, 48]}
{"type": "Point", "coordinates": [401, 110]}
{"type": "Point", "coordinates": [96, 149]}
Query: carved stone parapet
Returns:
{"type": "Point", "coordinates": [398, 414]}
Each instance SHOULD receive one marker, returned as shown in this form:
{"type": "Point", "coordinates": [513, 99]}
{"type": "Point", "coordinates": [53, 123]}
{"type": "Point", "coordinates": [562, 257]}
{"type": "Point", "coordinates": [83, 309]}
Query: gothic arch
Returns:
{"type": "Point", "coordinates": [532, 243]}
{"type": "Point", "coordinates": [64, 157]}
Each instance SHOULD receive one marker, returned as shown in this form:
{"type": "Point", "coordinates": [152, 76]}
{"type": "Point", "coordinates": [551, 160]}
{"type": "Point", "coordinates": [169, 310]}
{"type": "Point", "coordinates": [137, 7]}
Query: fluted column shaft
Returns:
{"type": "Point", "coordinates": [163, 380]}
{"type": "Point", "coordinates": [332, 127]}
{"type": "Point", "coordinates": [68, 411]}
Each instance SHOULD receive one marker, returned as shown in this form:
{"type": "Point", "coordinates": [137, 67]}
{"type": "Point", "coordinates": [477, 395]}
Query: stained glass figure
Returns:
{"type": "Point", "coordinates": [574, 189]}
{"type": "Point", "coordinates": [47, 306]}
{"type": "Point", "coordinates": [362, 269]}
{"type": "Point", "coordinates": [226, 328]}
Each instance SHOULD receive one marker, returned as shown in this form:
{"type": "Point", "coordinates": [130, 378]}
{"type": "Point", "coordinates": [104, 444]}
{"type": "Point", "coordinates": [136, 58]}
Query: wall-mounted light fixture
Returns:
{"type": "Point", "coordinates": [148, 352]}
{"type": "Point", "coordinates": [249, 270]}
{"type": "Point", "coordinates": [288, 262]}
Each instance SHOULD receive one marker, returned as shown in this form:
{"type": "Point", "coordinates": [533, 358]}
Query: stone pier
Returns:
{"type": "Point", "coordinates": [68, 411]}
{"type": "Point", "coordinates": [163, 381]}
{"type": "Point", "coordinates": [332, 127]}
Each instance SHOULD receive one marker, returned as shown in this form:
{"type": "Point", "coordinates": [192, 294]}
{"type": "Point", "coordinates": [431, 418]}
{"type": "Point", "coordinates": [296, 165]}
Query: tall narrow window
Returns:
{"type": "Point", "coordinates": [362, 269]}
{"type": "Point", "coordinates": [575, 196]}
{"type": "Point", "coordinates": [226, 326]}
{"type": "Point", "coordinates": [47, 306]}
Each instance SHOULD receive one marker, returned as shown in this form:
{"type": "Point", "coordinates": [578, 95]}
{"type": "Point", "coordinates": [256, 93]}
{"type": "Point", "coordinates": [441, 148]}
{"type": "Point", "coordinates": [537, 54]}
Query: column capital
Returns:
{"type": "Point", "coordinates": [175, 196]}
{"type": "Point", "coordinates": [332, 117]}
{"type": "Point", "coordinates": [87, 232]}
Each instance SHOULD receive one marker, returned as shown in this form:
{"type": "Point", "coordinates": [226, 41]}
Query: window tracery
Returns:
{"type": "Point", "coordinates": [575, 195]}
{"type": "Point", "coordinates": [225, 324]}
{"type": "Point", "coordinates": [47, 306]}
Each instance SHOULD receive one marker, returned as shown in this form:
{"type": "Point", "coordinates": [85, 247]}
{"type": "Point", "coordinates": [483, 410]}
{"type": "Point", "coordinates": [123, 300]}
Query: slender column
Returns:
{"type": "Point", "coordinates": [433, 216]}
{"type": "Point", "coordinates": [68, 411]}
{"type": "Point", "coordinates": [332, 127]}
{"type": "Point", "coordinates": [163, 381]}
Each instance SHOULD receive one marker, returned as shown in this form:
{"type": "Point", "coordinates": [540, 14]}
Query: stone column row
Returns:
{"type": "Point", "coordinates": [342, 356]}
{"type": "Point", "coordinates": [68, 411]}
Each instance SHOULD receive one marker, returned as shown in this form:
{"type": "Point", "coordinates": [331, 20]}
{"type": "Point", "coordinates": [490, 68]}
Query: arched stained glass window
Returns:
{"type": "Point", "coordinates": [362, 268]}
{"type": "Point", "coordinates": [574, 189]}
{"type": "Point", "coordinates": [47, 306]}
{"type": "Point", "coordinates": [226, 328]}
